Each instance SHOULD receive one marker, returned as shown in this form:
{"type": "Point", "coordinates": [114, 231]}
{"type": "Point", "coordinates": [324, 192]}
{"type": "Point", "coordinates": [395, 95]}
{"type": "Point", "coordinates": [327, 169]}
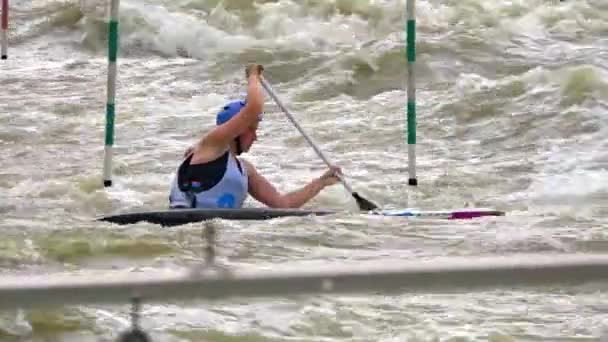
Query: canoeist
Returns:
{"type": "Point", "coordinates": [213, 176]}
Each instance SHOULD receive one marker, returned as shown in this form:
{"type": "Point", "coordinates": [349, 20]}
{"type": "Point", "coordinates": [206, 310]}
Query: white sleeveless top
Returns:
{"type": "Point", "coordinates": [230, 192]}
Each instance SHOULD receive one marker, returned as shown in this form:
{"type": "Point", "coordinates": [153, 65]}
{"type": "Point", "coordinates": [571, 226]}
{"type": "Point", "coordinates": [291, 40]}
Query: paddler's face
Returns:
{"type": "Point", "coordinates": [248, 137]}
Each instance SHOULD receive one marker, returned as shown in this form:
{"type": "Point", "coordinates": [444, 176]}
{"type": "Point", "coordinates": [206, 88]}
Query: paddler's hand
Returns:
{"type": "Point", "coordinates": [331, 176]}
{"type": "Point", "coordinates": [253, 70]}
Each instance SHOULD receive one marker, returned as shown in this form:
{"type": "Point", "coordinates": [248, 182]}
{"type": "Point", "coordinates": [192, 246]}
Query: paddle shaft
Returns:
{"type": "Point", "coordinates": [297, 125]}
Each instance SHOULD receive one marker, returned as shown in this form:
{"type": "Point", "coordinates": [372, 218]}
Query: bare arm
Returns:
{"type": "Point", "coordinates": [262, 190]}
{"type": "Point", "coordinates": [248, 116]}
{"type": "Point", "coordinates": [219, 139]}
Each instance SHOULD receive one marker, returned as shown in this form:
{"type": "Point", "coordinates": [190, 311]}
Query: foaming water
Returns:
{"type": "Point", "coordinates": [511, 114]}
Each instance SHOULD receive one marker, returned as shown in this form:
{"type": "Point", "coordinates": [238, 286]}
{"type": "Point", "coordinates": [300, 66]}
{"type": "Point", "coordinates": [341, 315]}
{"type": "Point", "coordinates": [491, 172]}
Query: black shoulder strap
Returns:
{"type": "Point", "coordinates": [238, 164]}
{"type": "Point", "coordinates": [182, 182]}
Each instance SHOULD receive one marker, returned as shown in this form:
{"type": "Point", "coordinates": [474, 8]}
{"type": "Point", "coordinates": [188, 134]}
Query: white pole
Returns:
{"type": "Point", "coordinates": [411, 91]}
{"type": "Point", "coordinates": [111, 93]}
{"type": "Point", "coordinates": [4, 32]}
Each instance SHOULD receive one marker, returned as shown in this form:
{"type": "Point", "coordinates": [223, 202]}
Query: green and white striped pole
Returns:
{"type": "Point", "coordinates": [411, 91]}
{"type": "Point", "coordinates": [110, 104]}
{"type": "Point", "coordinates": [4, 31]}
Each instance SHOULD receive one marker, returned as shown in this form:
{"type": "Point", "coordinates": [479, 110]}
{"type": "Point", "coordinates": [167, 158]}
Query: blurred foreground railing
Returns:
{"type": "Point", "coordinates": [385, 276]}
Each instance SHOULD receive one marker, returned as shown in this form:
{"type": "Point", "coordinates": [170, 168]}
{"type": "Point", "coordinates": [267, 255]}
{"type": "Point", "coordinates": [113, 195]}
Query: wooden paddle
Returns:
{"type": "Point", "coordinates": [363, 203]}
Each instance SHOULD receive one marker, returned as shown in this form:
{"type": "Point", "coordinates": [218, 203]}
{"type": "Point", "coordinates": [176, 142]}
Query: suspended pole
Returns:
{"type": "Point", "coordinates": [110, 104]}
{"type": "Point", "coordinates": [4, 33]}
{"type": "Point", "coordinates": [411, 91]}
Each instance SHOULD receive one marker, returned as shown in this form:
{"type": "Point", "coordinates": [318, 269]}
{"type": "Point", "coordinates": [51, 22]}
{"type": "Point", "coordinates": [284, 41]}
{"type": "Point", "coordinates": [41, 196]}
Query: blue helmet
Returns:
{"type": "Point", "coordinates": [231, 109]}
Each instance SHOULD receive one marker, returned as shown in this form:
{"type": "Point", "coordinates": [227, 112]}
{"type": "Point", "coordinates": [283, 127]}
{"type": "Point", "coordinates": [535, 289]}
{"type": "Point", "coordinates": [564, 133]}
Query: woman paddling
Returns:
{"type": "Point", "coordinates": [212, 175]}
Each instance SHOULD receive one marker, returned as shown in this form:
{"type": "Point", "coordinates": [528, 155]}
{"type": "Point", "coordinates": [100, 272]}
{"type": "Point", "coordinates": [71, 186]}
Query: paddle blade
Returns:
{"type": "Point", "coordinates": [364, 204]}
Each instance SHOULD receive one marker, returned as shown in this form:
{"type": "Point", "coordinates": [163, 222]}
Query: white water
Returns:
{"type": "Point", "coordinates": [512, 112]}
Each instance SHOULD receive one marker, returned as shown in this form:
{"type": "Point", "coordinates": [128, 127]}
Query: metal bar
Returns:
{"type": "Point", "coordinates": [388, 275]}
